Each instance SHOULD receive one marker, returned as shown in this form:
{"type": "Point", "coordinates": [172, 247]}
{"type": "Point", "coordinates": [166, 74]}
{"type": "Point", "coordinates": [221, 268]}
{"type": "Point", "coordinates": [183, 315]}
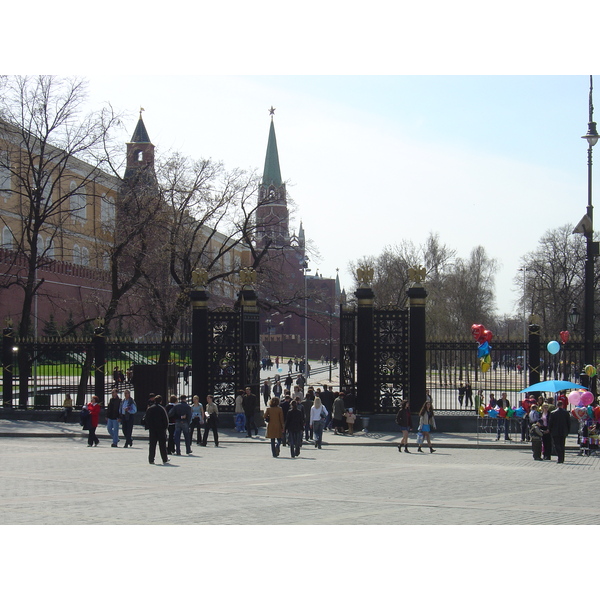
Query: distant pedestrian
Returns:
{"type": "Point", "coordinates": [426, 424]}
{"type": "Point", "coordinates": [318, 416]}
{"type": "Point", "coordinates": [404, 420]}
{"type": "Point", "coordinates": [182, 413]}
{"type": "Point", "coordinates": [239, 416]}
{"type": "Point", "coordinates": [275, 425]}
{"type": "Point", "coordinates": [250, 406]}
{"type": "Point", "coordinates": [212, 421]}
{"type": "Point", "coordinates": [94, 410]}
{"type": "Point", "coordinates": [327, 398]}
{"type": "Point", "coordinates": [171, 428]}
{"type": "Point", "coordinates": [338, 414]}
{"type": "Point", "coordinates": [127, 409]}
{"type": "Point", "coordinates": [67, 409]}
{"type": "Point", "coordinates": [350, 420]}
{"type": "Point", "coordinates": [536, 435]}
{"type": "Point", "coordinates": [112, 417]}
{"type": "Point", "coordinates": [266, 390]}
{"type": "Point", "coordinates": [197, 420]}
{"type": "Point", "coordinates": [294, 425]}
{"type": "Point", "coordinates": [306, 405]}
{"type": "Point", "coordinates": [559, 424]}
{"type": "Point", "coordinates": [468, 395]}
{"type": "Point", "coordinates": [157, 423]}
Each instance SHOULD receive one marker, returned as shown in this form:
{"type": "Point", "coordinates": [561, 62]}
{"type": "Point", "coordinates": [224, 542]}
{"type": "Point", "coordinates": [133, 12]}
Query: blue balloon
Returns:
{"type": "Point", "coordinates": [553, 347]}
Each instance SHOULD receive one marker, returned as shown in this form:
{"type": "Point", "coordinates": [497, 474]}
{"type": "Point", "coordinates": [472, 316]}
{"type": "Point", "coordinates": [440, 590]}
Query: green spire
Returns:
{"type": "Point", "coordinates": [272, 173]}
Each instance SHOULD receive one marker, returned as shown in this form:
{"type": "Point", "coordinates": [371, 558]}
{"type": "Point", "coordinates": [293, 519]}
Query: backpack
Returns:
{"type": "Point", "coordinates": [85, 418]}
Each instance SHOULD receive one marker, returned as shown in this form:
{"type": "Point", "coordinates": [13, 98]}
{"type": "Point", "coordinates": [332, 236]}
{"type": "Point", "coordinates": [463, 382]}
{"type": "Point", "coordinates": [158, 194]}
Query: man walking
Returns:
{"type": "Point", "coordinates": [327, 400]}
{"type": "Point", "coordinates": [266, 390]}
{"type": "Point", "coordinates": [157, 423]}
{"type": "Point", "coordinates": [559, 423]}
{"type": "Point", "coordinates": [182, 413]}
{"type": "Point", "coordinates": [112, 418]}
{"type": "Point", "coordinates": [250, 405]}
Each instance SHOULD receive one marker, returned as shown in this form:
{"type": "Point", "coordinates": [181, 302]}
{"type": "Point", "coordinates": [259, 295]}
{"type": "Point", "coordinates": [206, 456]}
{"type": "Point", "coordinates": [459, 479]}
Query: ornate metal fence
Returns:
{"type": "Point", "coordinates": [55, 368]}
{"type": "Point", "coordinates": [452, 366]}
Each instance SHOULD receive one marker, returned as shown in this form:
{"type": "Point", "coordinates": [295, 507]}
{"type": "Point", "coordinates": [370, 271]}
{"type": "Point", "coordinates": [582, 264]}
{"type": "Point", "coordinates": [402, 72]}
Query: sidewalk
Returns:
{"type": "Point", "coordinates": [48, 429]}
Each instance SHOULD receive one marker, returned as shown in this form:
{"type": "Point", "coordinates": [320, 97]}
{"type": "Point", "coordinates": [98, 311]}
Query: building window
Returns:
{"type": "Point", "coordinates": [140, 156]}
{"type": "Point", "coordinates": [85, 257]}
{"type": "Point", "coordinates": [107, 212]}
{"type": "Point", "coordinates": [78, 202]}
{"type": "Point", "coordinates": [7, 238]}
{"type": "Point", "coordinates": [5, 182]}
{"type": "Point", "coordinates": [76, 255]}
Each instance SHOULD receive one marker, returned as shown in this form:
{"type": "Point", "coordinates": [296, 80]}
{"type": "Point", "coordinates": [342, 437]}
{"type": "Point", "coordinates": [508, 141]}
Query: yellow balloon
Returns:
{"type": "Point", "coordinates": [590, 370]}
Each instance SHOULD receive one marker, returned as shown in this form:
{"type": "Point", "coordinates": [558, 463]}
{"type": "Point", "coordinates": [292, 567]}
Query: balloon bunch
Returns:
{"type": "Point", "coordinates": [483, 337]}
{"type": "Point", "coordinates": [582, 401]}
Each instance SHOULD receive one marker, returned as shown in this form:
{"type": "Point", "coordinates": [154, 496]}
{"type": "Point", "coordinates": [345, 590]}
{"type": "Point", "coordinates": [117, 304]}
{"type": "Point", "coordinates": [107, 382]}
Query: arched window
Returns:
{"type": "Point", "coordinates": [85, 257]}
{"type": "Point", "coordinates": [140, 156]}
{"type": "Point", "coordinates": [107, 212]}
{"type": "Point", "coordinates": [5, 182]}
{"type": "Point", "coordinates": [7, 238]}
{"type": "Point", "coordinates": [78, 202]}
{"type": "Point", "coordinates": [76, 255]}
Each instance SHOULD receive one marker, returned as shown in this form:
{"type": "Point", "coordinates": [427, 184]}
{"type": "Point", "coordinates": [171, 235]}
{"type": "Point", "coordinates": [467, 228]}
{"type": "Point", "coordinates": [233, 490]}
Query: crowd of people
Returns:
{"type": "Point", "coordinates": [297, 417]}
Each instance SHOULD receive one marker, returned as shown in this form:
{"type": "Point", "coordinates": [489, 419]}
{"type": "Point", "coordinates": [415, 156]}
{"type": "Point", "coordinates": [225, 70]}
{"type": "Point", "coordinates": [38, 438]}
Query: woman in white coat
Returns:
{"type": "Point", "coordinates": [318, 415]}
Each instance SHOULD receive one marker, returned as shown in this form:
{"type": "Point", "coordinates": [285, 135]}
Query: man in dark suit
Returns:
{"type": "Point", "coordinates": [559, 423]}
{"type": "Point", "coordinates": [250, 405]}
{"type": "Point", "coordinates": [157, 423]}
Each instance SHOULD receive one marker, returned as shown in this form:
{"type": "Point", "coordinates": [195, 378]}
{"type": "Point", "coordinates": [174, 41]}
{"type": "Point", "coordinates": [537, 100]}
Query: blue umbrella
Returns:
{"type": "Point", "coordinates": [552, 385]}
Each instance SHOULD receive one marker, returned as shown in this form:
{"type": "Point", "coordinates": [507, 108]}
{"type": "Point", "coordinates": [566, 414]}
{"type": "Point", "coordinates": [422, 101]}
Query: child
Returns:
{"type": "Point", "coordinates": [350, 418]}
{"type": "Point", "coordinates": [536, 440]}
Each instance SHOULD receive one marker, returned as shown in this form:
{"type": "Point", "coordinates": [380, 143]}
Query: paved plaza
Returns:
{"type": "Point", "coordinates": [48, 475]}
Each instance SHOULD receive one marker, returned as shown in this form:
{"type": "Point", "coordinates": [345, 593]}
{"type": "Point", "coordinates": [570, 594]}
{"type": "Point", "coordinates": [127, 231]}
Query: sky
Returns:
{"type": "Point", "coordinates": [393, 121]}
{"type": "Point", "coordinates": [371, 161]}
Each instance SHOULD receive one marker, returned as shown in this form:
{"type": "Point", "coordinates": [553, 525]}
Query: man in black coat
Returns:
{"type": "Point", "coordinates": [327, 399]}
{"type": "Point", "coordinates": [559, 423]}
{"type": "Point", "coordinates": [157, 423]}
{"type": "Point", "coordinates": [249, 404]}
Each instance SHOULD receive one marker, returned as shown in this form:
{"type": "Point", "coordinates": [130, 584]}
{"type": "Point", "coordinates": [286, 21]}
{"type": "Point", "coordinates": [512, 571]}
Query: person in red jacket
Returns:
{"type": "Point", "coordinates": [94, 408]}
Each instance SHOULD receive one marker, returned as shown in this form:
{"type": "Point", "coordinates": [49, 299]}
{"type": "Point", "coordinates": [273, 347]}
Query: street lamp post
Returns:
{"type": "Point", "coordinates": [305, 270]}
{"type": "Point", "coordinates": [586, 226]}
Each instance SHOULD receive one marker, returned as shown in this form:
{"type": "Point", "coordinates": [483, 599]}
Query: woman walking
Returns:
{"type": "Point", "coordinates": [294, 425]}
{"type": "Point", "coordinates": [274, 420]}
{"type": "Point", "coordinates": [318, 416]}
{"type": "Point", "coordinates": [426, 422]}
{"type": "Point", "coordinates": [212, 421]}
{"type": "Point", "coordinates": [404, 420]}
{"type": "Point", "coordinates": [127, 409]}
{"type": "Point", "coordinates": [94, 408]}
{"type": "Point", "coordinates": [197, 419]}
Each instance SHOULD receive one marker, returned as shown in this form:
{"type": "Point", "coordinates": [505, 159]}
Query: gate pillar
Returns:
{"type": "Point", "coordinates": [365, 348]}
{"type": "Point", "coordinates": [199, 300]}
{"type": "Point", "coordinates": [417, 383]}
{"type": "Point", "coordinates": [250, 332]}
{"type": "Point", "coordinates": [8, 342]}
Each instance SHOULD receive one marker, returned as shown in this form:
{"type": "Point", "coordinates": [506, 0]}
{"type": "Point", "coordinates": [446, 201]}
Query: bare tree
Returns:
{"type": "Point", "coordinates": [206, 218]}
{"type": "Point", "coordinates": [46, 140]}
{"type": "Point", "coordinates": [553, 278]}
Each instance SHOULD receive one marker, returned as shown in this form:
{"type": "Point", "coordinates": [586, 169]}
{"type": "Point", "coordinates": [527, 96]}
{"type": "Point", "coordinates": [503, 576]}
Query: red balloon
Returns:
{"type": "Point", "coordinates": [488, 335]}
{"type": "Point", "coordinates": [564, 336]}
{"type": "Point", "coordinates": [477, 330]}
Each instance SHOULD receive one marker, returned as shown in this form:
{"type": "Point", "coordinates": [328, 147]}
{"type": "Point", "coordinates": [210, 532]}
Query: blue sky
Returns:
{"type": "Point", "coordinates": [372, 160]}
{"type": "Point", "coordinates": [392, 120]}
